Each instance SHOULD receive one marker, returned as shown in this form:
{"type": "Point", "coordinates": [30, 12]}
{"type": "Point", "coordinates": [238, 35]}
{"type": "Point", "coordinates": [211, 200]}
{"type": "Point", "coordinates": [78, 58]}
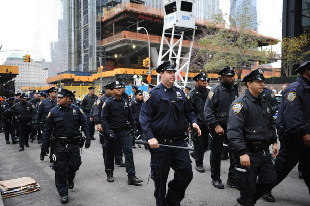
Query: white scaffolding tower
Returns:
{"type": "Point", "coordinates": [178, 19]}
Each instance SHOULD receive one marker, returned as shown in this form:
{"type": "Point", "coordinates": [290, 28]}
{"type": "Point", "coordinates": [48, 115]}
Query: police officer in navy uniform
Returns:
{"type": "Point", "coordinates": [198, 99]}
{"type": "Point", "coordinates": [43, 109]}
{"type": "Point", "coordinates": [64, 121]}
{"type": "Point", "coordinates": [24, 114]}
{"type": "Point", "coordinates": [271, 97]}
{"type": "Point", "coordinates": [216, 113]}
{"type": "Point", "coordinates": [136, 109]}
{"type": "Point", "coordinates": [187, 90]}
{"type": "Point", "coordinates": [115, 114]}
{"type": "Point", "coordinates": [250, 131]}
{"type": "Point", "coordinates": [86, 106]}
{"type": "Point", "coordinates": [163, 120]}
{"type": "Point", "coordinates": [7, 110]}
{"type": "Point", "coordinates": [34, 130]}
{"type": "Point", "coordinates": [293, 127]}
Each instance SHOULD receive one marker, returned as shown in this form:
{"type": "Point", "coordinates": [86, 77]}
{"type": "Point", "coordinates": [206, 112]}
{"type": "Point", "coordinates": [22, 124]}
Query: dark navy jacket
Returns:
{"type": "Point", "coordinates": [164, 113]}
{"type": "Point", "coordinates": [250, 120]}
{"type": "Point", "coordinates": [294, 110]}
{"type": "Point", "coordinates": [88, 102]}
{"type": "Point", "coordinates": [64, 122]}
{"type": "Point", "coordinates": [44, 108]}
{"type": "Point", "coordinates": [198, 99]}
{"type": "Point", "coordinates": [115, 114]}
{"type": "Point", "coordinates": [96, 109]}
{"type": "Point", "coordinates": [24, 111]}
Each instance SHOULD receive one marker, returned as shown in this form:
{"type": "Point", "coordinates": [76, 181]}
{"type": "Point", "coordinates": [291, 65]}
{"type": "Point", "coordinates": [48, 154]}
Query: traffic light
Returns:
{"type": "Point", "coordinates": [146, 62]}
{"type": "Point", "coordinates": [27, 58]}
{"type": "Point", "coordinates": [100, 69]}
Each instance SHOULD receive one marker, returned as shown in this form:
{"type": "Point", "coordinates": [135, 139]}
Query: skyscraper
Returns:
{"type": "Point", "coordinates": [244, 7]}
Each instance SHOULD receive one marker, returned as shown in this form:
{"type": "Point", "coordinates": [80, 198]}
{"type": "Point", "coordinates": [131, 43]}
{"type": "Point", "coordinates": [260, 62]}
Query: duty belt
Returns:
{"type": "Point", "coordinates": [121, 128]}
{"type": "Point", "coordinates": [257, 145]}
{"type": "Point", "coordinates": [169, 140]}
{"type": "Point", "coordinates": [68, 140]}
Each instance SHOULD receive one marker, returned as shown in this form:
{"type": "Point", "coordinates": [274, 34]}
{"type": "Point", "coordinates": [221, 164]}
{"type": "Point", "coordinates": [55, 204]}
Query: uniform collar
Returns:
{"type": "Point", "coordinates": [251, 97]}
{"type": "Point", "coordinates": [305, 82]}
{"type": "Point", "coordinates": [166, 88]}
{"type": "Point", "coordinates": [65, 108]}
{"type": "Point", "coordinates": [120, 99]}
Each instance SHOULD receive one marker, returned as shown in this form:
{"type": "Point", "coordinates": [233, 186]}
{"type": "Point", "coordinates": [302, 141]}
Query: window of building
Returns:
{"type": "Point", "coordinates": [305, 16]}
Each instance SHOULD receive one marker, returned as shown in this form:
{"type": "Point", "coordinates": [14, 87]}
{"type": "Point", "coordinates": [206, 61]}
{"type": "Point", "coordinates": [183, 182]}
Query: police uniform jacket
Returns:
{"type": "Point", "coordinates": [7, 110]}
{"type": "Point", "coordinates": [198, 99]}
{"type": "Point", "coordinates": [43, 109]}
{"type": "Point", "coordinates": [136, 109]}
{"type": "Point", "coordinates": [34, 101]}
{"type": "Point", "coordinates": [270, 96]}
{"type": "Point", "coordinates": [115, 114]}
{"type": "Point", "coordinates": [24, 111]}
{"type": "Point", "coordinates": [164, 113]}
{"type": "Point", "coordinates": [217, 106]}
{"type": "Point", "coordinates": [294, 111]}
{"type": "Point", "coordinates": [250, 120]}
{"type": "Point", "coordinates": [97, 108]}
{"type": "Point", "coordinates": [88, 102]}
{"type": "Point", "coordinates": [125, 96]}
{"type": "Point", "coordinates": [64, 122]}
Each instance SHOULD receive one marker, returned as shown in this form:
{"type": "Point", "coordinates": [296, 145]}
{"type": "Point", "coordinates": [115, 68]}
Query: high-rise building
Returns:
{"type": "Point", "coordinates": [244, 7]}
{"type": "Point", "coordinates": [209, 8]}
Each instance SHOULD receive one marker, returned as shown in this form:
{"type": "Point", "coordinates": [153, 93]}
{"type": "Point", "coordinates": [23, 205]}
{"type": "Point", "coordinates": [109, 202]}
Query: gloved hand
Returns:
{"type": "Point", "coordinates": [44, 152]}
{"type": "Point", "coordinates": [111, 136]}
{"type": "Point", "coordinates": [87, 143]}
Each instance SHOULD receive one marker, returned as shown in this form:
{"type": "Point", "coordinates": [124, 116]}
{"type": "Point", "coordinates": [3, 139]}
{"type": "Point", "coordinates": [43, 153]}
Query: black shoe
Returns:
{"type": "Point", "coordinates": [133, 180]}
{"type": "Point", "coordinates": [134, 146]}
{"type": "Point", "coordinates": [232, 183]}
{"type": "Point", "coordinates": [64, 199]}
{"type": "Point", "coordinates": [300, 175]}
{"type": "Point", "coordinates": [21, 149]}
{"type": "Point", "coordinates": [92, 138]}
{"type": "Point", "coordinates": [27, 145]}
{"type": "Point", "coordinates": [122, 164]}
{"type": "Point", "coordinates": [269, 197]}
{"type": "Point", "coordinates": [7, 142]}
{"type": "Point", "coordinates": [110, 177]}
{"type": "Point", "coordinates": [218, 184]}
{"type": "Point", "coordinates": [71, 184]}
{"type": "Point", "coordinates": [224, 157]}
{"type": "Point", "coordinates": [200, 169]}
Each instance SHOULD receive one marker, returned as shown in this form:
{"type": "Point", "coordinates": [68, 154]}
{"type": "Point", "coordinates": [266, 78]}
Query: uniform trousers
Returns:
{"type": "Point", "coordinates": [91, 124]}
{"type": "Point", "coordinates": [24, 131]}
{"type": "Point", "coordinates": [8, 129]}
{"type": "Point", "coordinates": [66, 163]}
{"type": "Point", "coordinates": [162, 159]}
{"type": "Point", "coordinates": [201, 144]}
{"type": "Point", "coordinates": [251, 187]}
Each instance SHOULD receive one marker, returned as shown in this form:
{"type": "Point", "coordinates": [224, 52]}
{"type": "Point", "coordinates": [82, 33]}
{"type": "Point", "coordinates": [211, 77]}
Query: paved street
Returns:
{"type": "Point", "coordinates": [91, 187]}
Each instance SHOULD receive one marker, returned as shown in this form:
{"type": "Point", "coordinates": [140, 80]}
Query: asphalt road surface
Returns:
{"type": "Point", "coordinates": [91, 187]}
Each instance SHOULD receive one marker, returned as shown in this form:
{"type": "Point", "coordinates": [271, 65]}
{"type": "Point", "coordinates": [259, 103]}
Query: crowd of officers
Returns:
{"type": "Point", "coordinates": [240, 128]}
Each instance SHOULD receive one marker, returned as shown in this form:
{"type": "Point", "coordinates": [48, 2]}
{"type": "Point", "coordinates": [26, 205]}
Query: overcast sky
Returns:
{"type": "Point", "coordinates": [19, 22]}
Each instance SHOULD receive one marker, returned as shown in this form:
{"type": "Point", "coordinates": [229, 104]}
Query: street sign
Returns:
{"type": "Point", "coordinates": [149, 78]}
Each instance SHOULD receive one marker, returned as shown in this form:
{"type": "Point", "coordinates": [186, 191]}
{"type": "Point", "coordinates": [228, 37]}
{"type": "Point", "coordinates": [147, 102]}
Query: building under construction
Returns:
{"type": "Point", "coordinates": [105, 36]}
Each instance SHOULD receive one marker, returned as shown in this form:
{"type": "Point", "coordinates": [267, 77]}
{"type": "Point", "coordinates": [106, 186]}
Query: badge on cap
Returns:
{"type": "Point", "coordinates": [237, 107]}
{"type": "Point", "coordinates": [291, 96]}
{"type": "Point", "coordinates": [260, 71]}
{"type": "Point", "coordinates": [211, 93]}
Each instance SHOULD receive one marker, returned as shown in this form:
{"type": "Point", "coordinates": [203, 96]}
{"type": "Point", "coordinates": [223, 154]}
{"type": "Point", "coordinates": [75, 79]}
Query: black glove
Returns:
{"type": "Point", "coordinates": [87, 143]}
{"type": "Point", "coordinates": [44, 152]}
{"type": "Point", "coordinates": [111, 136]}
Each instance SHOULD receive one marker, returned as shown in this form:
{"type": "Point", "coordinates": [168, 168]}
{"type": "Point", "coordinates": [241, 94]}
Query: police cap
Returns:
{"type": "Point", "coordinates": [91, 88]}
{"type": "Point", "coordinates": [201, 76]}
{"type": "Point", "coordinates": [101, 92]}
{"type": "Point", "coordinates": [64, 93]}
{"type": "Point", "coordinates": [139, 91]}
{"type": "Point", "coordinates": [116, 85]}
{"type": "Point", "coordinates": [11, 99]}
{"type": "Point", "coordinates": [108, 86]}
{"type": "Point", "coordinates": [42, 94]}
{"type": "Point", "coordinates": [135, 87]}
{"type": "Point", "coordinates": [24, 96]}
{"type": "Point", "coordinates": [36, 91]}
{"type": "Point", "coordinates": [187, 87]}
{"type": "Point", "coordinates": [166, 66]}
{"type": "Point", "coordinates": [151, 86]}
{"type": "Point", "coordinates": [52, 89]}
{"type": "Point", "coordinates": [255, 75]}
{"type": "Point", "coordinates": [303, 67]}
{"type": "Point", "coordinates": [227, 71]}
{"type": "Point", "coordinates": [17, 93]}
{"type": "Point", "coordinates": [123, 85]}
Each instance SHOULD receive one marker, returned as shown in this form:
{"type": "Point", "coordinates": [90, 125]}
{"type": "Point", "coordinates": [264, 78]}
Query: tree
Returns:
{"type": "Point", "coordinates": [293, 52]}
{"type": "Point", "coordinates": [233, 45]}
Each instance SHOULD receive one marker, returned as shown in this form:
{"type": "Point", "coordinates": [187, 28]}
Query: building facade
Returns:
{"type": "Point", "coordinates": [247, 8]}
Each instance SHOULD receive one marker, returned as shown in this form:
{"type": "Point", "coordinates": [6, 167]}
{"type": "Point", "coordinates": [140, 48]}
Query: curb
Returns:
{"type": "Point", "coordinates": [1, 201]}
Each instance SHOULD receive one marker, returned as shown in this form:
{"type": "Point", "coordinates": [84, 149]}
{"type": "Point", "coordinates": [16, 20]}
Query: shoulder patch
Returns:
{"type": "Point", "coordinates": [40, 103]}
{"type": "Point", "coordinates": [49, 114]}
{"type": "Point", "coordinates": [272, 95]}
{"type": "Point", "coordinates": [103, 105]}
{"type": "Point", "coordinates": [211, 93]}
{"type": "Point", "coordinates": [147, 97]}
{"type": "Point", "coordinates": [98, 102]}
{"type": "Point", "coordinates": [291, 96]}
{"type": "Point", "coordinates": [81, 110]}
{"type": "Point", "coordinates": [237, 107]}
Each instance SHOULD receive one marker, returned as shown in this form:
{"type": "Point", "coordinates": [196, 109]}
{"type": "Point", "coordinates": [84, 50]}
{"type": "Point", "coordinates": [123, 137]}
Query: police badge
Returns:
{"type": "Point", "coordinates": [291, 96]}
{"type": "Point", "coordinates": [237, 107]}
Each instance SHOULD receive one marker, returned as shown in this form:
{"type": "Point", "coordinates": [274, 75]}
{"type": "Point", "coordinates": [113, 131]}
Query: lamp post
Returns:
{"type": "Point", "coordinates": [149, 46]}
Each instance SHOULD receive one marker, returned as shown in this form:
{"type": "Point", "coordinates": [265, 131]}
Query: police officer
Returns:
{"type": "Point", "coordinates": [42, 96]}
{"type": "Point", "coordinates": [216, 113]}
{"type": "Point", "coordinates": [24, 114]}
{"type": "Point", "coordinates": [187, 90]}
{"type": "Point", "coordinates": [136, 109]}
{"type": "Point", "coordinates": [270, 96]}
{"type": "Point", "coordinates": [34, 130]}
{"type": "Point", "coordinates": [134, 88]}
{"type": "Point", "coordinates": [163, 120]}
{"type": "Point", "coordinates": [198, 99]}
{"type": "Point", "coordinates": [293, 127]}
{"type": "Point", "coordinates": [86, 106]}
{"type": "Point", "coordinates": [8, 118]}
{"type": "Point", "coordinates": [250, 131]}
{"type": "Point", "coordinates": [64, 121]}
{"type": "Point", "coordinates": [115, 114]}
